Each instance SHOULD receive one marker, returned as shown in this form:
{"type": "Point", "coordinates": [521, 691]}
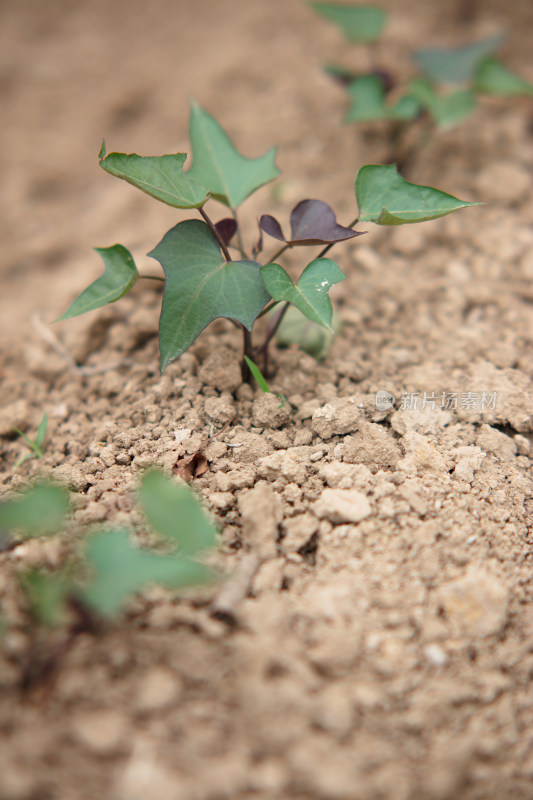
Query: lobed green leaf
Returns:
{"type": "Point", "coordinates": [161, 177]}
{"type": "Point", "coordinates": [200, 285]}
{"type": "Point", "coordinates": [446, 110]}
{"type": "Point", "coordinates": [362, 24]}
{"type": "Point", "coordinates": [492, 77]}
{"type": "Point", "coordinates": [311, 293]}
{"type": "Point", "coordinates": [384, 197]}
{"type": "Point", "coordinates": [368, 102]}
{"type": "Point", "coordinates": [218, 166]}
{"type": "Point", "coordinates": [38, 512]}
{"type": "Point", "coordinates": [120, 276]}
{"type": "Point", "coordinates": [457, 65]}
{"type": "Point", "coordinates": [173, 511]}
{"type": "Point", "coordinates": [120, 570]}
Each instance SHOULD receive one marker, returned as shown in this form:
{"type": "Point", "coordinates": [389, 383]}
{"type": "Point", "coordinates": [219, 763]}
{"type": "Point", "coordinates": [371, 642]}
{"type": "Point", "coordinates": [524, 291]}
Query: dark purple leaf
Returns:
{"type": "Point", "coordinates": [270, 225]}
{"type": "Point", "coordinates": [226, 229]}
{"type": "Point", "coordinates": [314, 222]}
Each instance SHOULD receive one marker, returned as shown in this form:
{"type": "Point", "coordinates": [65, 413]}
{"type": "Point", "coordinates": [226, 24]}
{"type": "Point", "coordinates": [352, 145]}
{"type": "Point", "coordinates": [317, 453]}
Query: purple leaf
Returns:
{"type": "Point", "coordinates": [226, 229]}
{"type": "Point", "coordinates": [314, 222]}
{"type": "Point", "coordinates": [270, 225]}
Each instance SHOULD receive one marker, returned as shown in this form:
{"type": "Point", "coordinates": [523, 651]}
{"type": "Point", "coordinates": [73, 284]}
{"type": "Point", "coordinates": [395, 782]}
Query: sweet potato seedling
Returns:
{"type": "Point", "coordinates": [442, 95]}
{"type": "Point", "coordinates": [206, 276]}
{"type": "Point", "coordinates": [109, 568]}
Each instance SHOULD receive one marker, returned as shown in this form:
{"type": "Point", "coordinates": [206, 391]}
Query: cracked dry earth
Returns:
{"type": "Point", "coordinates": [385, 649]}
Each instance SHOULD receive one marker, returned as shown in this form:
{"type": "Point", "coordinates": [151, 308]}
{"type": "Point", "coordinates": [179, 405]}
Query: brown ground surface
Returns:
{"type": "Point", "coordinates": [389, 658]}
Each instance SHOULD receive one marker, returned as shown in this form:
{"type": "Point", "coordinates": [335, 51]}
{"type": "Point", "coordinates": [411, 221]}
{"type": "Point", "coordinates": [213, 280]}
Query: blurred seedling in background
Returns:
{"type": "Point", "coordinates": [443, 95]}
{"type": "Point", "coordinates": [108, 567]}
{"type": "Point", "coordinates": [209, 270]}
{"type": "Point", "coordinates": [36, 445]}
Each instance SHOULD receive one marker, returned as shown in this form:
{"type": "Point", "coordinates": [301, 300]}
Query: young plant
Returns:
{"type": "Point", "coordinates": [443, 95]}
{"type": "Point", "coordinates": [205, 277]}
{"type": "Point", "coordinates": [36, 445]}
{"type": "Point", "coordinates": [109, 568]}
{"type": "Point", "coordinates": [261, 380]}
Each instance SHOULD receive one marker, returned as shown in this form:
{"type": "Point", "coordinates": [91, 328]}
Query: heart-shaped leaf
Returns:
{"type": "Point", "coordinates": [173, 511]}
{"type": "Point", "coordinates": [357, 23]}
{"type": "Point", "coordinates": [457, 65]}
{"type": "Point", "coordinates": [120, 570]}
{"type": "Point", "coordinates": [218, 166]}
{"type": "Point", "coordinates": [368, 102]}
{"type": "Point", "coordinates": [200, 285]}
{"type": "Point", "coordinates": [312, 222]}
{"type": "Point", "coordinates": [493, 78]}
{"type": "Point", "coordinates": [161, 177]}
{"type": "Point", "coordinates": [310, 293]}
{"type": "Point", "coordinates": [384, 197]}
{"type": "Point", "coordinates": [446, 110]}
{"type": "Point", "coordinates": [119, 277]}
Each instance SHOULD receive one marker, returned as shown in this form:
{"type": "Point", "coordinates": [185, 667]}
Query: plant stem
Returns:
{"type": "Point", "coordinates": [267, 308]}
{"type": "Point", "coordinates": [247, 351]}
{"type": "Point", "coordinates": [273, 326]}
{"type": "Point", "coordinates": [152, 278]}
{"type": "Point", "coordinates": [279, 252]}
{"type": "Point", "coordinates": [239, 236]}
{"type": "Point", "coordinates": [216, 234]}
{"type": "Point", "coordinates": [406, 159]}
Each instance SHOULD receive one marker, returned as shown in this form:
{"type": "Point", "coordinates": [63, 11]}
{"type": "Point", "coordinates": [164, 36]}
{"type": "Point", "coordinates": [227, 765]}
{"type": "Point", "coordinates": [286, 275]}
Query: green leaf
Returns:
{"type": "Point", "coordinates": [41, 432]}
{"type": "Point", "coordinates": [40, 511]}
{"type": "Point", "coordinates": [446, 110]}
{"type": "Point", "coordinates": [218, 166]}
{"type": "Point", "coordinates": [161, 177]}
{"type": "Point", "coordinates": [120, 570]}
{"type": "Point", "coordinates": [201, 286]}
{"type": "Point", "coordinates": [173, 511]}
{"type": "Point", "coordinates": [36, 446]}
{"type": "Point", "coordinates": [457, 65]}
{"type": "Point", "coordinates": [119, 277]}
{"type": "Point", "coordinates": [261, 380]}
{"type": "Point", "coordinates": [357, 23]}
{"type": "Point", "coordinates": [492, 77]}
{"type": "Point", "coordinates": [258, 375]}
{"type": "Point", "coordinates": [310, 294]}
{"type": "Point", "coordinates": [368, 102]}
{"type": "Point", "coordinates": [384, 197]}
{"type": "Point", "coordinates": [46, 595]}
{"type": "Point", "coordinates": [313, 339]}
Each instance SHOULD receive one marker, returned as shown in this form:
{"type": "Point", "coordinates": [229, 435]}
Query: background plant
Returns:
{"type": "Point", "coordinates": [443, 94]}
{"type": "Point", "coordinates": [109, 568]}
{"type": "Point", "coordinates": [35, 445]}
{"type": "Point", "coordinates": [205, 276]}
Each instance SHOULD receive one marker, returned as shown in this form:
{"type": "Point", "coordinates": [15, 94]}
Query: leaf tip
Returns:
{"type": "Point", "coordinates": [103, 152]}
